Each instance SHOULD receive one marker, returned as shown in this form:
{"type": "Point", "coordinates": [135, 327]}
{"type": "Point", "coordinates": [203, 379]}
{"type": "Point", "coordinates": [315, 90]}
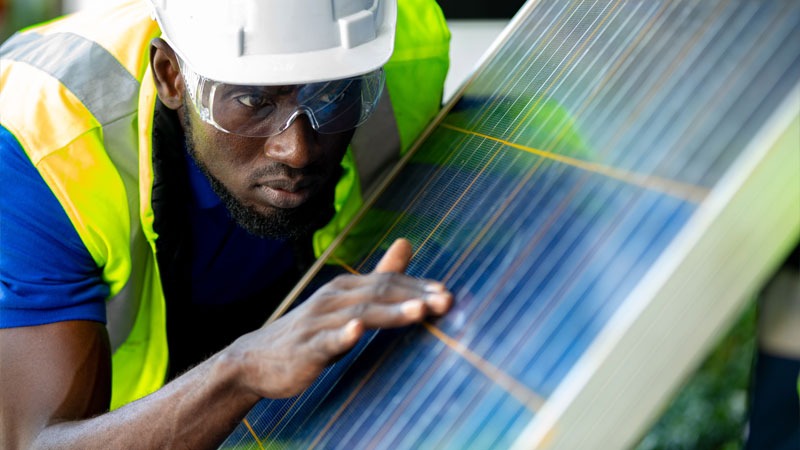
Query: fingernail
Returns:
{"type": "Point", "coordinates": [438, 300]}
{"type": "Point", "coordinates": [435, 287]}
{"type": "Point", "coordinates": [412, 308]}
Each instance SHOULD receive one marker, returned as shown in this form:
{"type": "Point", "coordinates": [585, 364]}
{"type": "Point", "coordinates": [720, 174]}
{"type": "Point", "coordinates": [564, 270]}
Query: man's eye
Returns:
{"type": "Point", "coordinates": [332, 97]}
{"type": "Point", "coordinates": [252, 100]}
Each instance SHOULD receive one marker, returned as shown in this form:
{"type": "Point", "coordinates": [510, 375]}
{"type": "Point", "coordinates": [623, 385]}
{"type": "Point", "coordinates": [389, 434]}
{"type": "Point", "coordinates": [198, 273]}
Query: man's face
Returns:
{"type": "Point", "coordinates": [280, 186]}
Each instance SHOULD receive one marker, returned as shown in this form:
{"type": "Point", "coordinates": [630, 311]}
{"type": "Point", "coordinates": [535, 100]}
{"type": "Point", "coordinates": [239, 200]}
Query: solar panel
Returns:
{"type": "Point", "coordinates": [601, 197]}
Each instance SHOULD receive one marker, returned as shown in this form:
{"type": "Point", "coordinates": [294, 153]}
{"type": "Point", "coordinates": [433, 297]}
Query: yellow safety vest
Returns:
{"type": "Point", "coordinates": [78, 95]}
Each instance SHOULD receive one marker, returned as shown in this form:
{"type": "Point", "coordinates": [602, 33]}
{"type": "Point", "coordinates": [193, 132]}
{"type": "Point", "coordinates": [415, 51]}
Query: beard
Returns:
{"type": "Point", "coordinates": [292, 224]}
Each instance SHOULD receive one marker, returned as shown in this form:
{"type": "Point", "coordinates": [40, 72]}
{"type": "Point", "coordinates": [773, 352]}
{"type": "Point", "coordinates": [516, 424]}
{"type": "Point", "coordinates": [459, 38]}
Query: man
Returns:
{"type": "Point", "coordinates": [168, 189]}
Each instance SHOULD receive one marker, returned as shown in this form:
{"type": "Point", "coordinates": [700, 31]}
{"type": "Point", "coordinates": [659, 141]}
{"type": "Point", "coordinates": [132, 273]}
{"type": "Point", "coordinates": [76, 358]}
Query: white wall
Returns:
{"type": "Point", "coordinates": [470, 39]}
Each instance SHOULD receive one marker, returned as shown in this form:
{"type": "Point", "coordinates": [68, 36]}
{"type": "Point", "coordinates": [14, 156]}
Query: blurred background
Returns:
{"type": "Point", "coordinates": [709, 411]}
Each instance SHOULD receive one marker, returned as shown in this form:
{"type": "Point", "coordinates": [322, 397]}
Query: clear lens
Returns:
{"type": "Point", "coordinates": [260, 111]}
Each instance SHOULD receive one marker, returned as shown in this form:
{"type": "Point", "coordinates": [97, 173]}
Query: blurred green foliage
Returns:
{"type": "Point", "coordinates": [17, 14]}
{"type": "Point", "coordinates": [710, 410]}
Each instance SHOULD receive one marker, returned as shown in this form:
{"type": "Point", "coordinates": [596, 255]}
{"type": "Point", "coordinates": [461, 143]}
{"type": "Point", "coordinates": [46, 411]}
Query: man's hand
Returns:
{"type": "Point", "coordinates": [285, 357]}
{"type": "Point", "coordinates": [55, 377]}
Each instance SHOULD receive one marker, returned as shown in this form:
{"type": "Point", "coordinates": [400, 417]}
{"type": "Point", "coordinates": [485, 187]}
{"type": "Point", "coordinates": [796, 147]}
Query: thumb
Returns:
{"type": "Point", "coordinates": [396, 258]}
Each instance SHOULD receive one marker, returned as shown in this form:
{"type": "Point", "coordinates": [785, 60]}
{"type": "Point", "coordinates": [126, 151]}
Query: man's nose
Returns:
{"type": "Point", "coordinates": [297, 146]}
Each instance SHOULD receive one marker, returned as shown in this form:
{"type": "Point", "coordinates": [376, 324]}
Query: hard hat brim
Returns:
{"type": "Point", "coordinates": [307, 67]}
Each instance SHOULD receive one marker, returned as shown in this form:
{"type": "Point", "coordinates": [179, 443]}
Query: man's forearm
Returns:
{"type": "Point", "coordinates": [196, 410]}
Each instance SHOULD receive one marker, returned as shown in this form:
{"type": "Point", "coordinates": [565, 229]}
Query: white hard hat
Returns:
{"type": "Point", "coordinates": [279, 42]}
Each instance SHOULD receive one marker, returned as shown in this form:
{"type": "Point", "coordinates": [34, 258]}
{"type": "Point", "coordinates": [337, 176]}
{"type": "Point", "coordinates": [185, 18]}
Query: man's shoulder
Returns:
{"type": "Point", "coordinates": [46, 272]}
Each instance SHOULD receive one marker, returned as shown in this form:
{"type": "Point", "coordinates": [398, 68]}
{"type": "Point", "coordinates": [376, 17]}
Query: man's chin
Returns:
{"type": "Point", "coordinates": [281, 223]}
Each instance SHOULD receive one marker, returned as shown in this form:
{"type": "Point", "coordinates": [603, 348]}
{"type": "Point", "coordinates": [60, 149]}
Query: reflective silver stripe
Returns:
{"type": "Point", "coordinates": [76, 62]}
{"type": "Point", "coordinates": [123, 309]}
{"type": "Point", "coordinates": [376, 144]}
{"type": "Point", "coordinates": [110, 93]}
{"type": "Point", "coordinates": [121, 143]}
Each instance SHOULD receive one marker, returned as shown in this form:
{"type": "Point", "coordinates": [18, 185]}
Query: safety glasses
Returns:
{"type": "Point", "coordinates": [261, 111]}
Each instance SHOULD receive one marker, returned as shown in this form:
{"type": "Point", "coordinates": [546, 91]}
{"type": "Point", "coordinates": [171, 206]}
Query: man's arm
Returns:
{"type": "Point", "coordinates": [51, 373]}
{"type": "Point", "coordinates": [55, 378]}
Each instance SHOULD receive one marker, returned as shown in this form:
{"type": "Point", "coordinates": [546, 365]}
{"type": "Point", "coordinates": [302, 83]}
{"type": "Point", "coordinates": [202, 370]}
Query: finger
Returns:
{"type": "Point", "coordinates": [381, 280]}
{"type": "Point", "coordinates": [396, 258]}
{"type": "Point", "coordinates": [351, 333]}
{"type": "Point", "coordinates": [349, 282]}
{"type": "Point", "coordinates": [375, 315]}
{"type": "Point", "coordinates": [389, 287]}
{"type": "Point", "coordinates": [331, 342]}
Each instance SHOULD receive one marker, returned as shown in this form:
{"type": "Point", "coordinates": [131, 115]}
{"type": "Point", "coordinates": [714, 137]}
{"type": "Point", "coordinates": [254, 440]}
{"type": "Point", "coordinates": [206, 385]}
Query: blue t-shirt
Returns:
{"type": "Point", "coordinates": [47, 274]}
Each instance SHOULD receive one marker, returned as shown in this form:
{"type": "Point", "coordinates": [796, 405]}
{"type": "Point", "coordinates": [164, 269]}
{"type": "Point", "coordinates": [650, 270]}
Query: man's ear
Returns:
{"type": "Point", "coordinates": [167, 73]}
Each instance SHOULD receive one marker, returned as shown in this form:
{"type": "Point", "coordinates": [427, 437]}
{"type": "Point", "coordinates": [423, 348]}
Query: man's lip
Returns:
{"type": "Point", "coordinates": [288, 185]}
{"type": "Point", "coordinates": [284, 199]}
{"type": "Point", "coordinates": [285, 193]}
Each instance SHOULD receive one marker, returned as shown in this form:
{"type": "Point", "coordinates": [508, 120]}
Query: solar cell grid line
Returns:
{"type": "Point", "coordinates": [521, 57]}
{"type": "Point", "coordinates": [385, 387]}
{"type": "Point", "coordinates": [630, 122]}
{"type": "Point", "coordinates": [582, 238]}
{"type": "Point", "coordinates": [690, 115]}
{"type": "Point", "coordinates": [631, 108]}
{"type": "Point", "coordinates": [524, 181]}
{"type": "Point", "coordinates": [621, 56]}
{"type": "Point", "coordinates": [540, 70]}
{"type": "Point", "coordinates": [553, 216]}
{"type": "Point", "coordinates": [622, 87]}
{"type": "Point", "coordinates": [666, 185]}
{"type": "Point", "coordinates": [486, 352]}
{"type": "Point", "coordinates": [711, 109]}
{"type": "Point", "coordinates": [781, 37]}
{"type": "Point", "coordinates": [566, 66]}
{"type": "Point", "coordinates": [253, 433]}
{"type": "Point", "coordinates": [576, 86]}
{"type": "Point", "coordinates": [652, 105]}
{"type": "Point", "coordinates": [349, 398]}
{"type": "Point", "coordinates": [287, 415]}
{"type": "Point", "coordinates": [538, 93]}
{"type": "Point", "coordinates": [552, 304]}
{"type": "Point", "coordinates": [374, 412]}
{"type": "Point", "coordinates": [513, 58]}
{"type": "Point", "coordinates": [420, 192]}
{"type": "Point", "coordinates": [496, 215]}
{"type": "Point", "coordinates": [300, 435]}
{"type": "Point", "coordinates": [665, 74]}
{"type": "Point", "coordinates": [512, 132]}
{"type": "Point", "coordinates": [435, 202]}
